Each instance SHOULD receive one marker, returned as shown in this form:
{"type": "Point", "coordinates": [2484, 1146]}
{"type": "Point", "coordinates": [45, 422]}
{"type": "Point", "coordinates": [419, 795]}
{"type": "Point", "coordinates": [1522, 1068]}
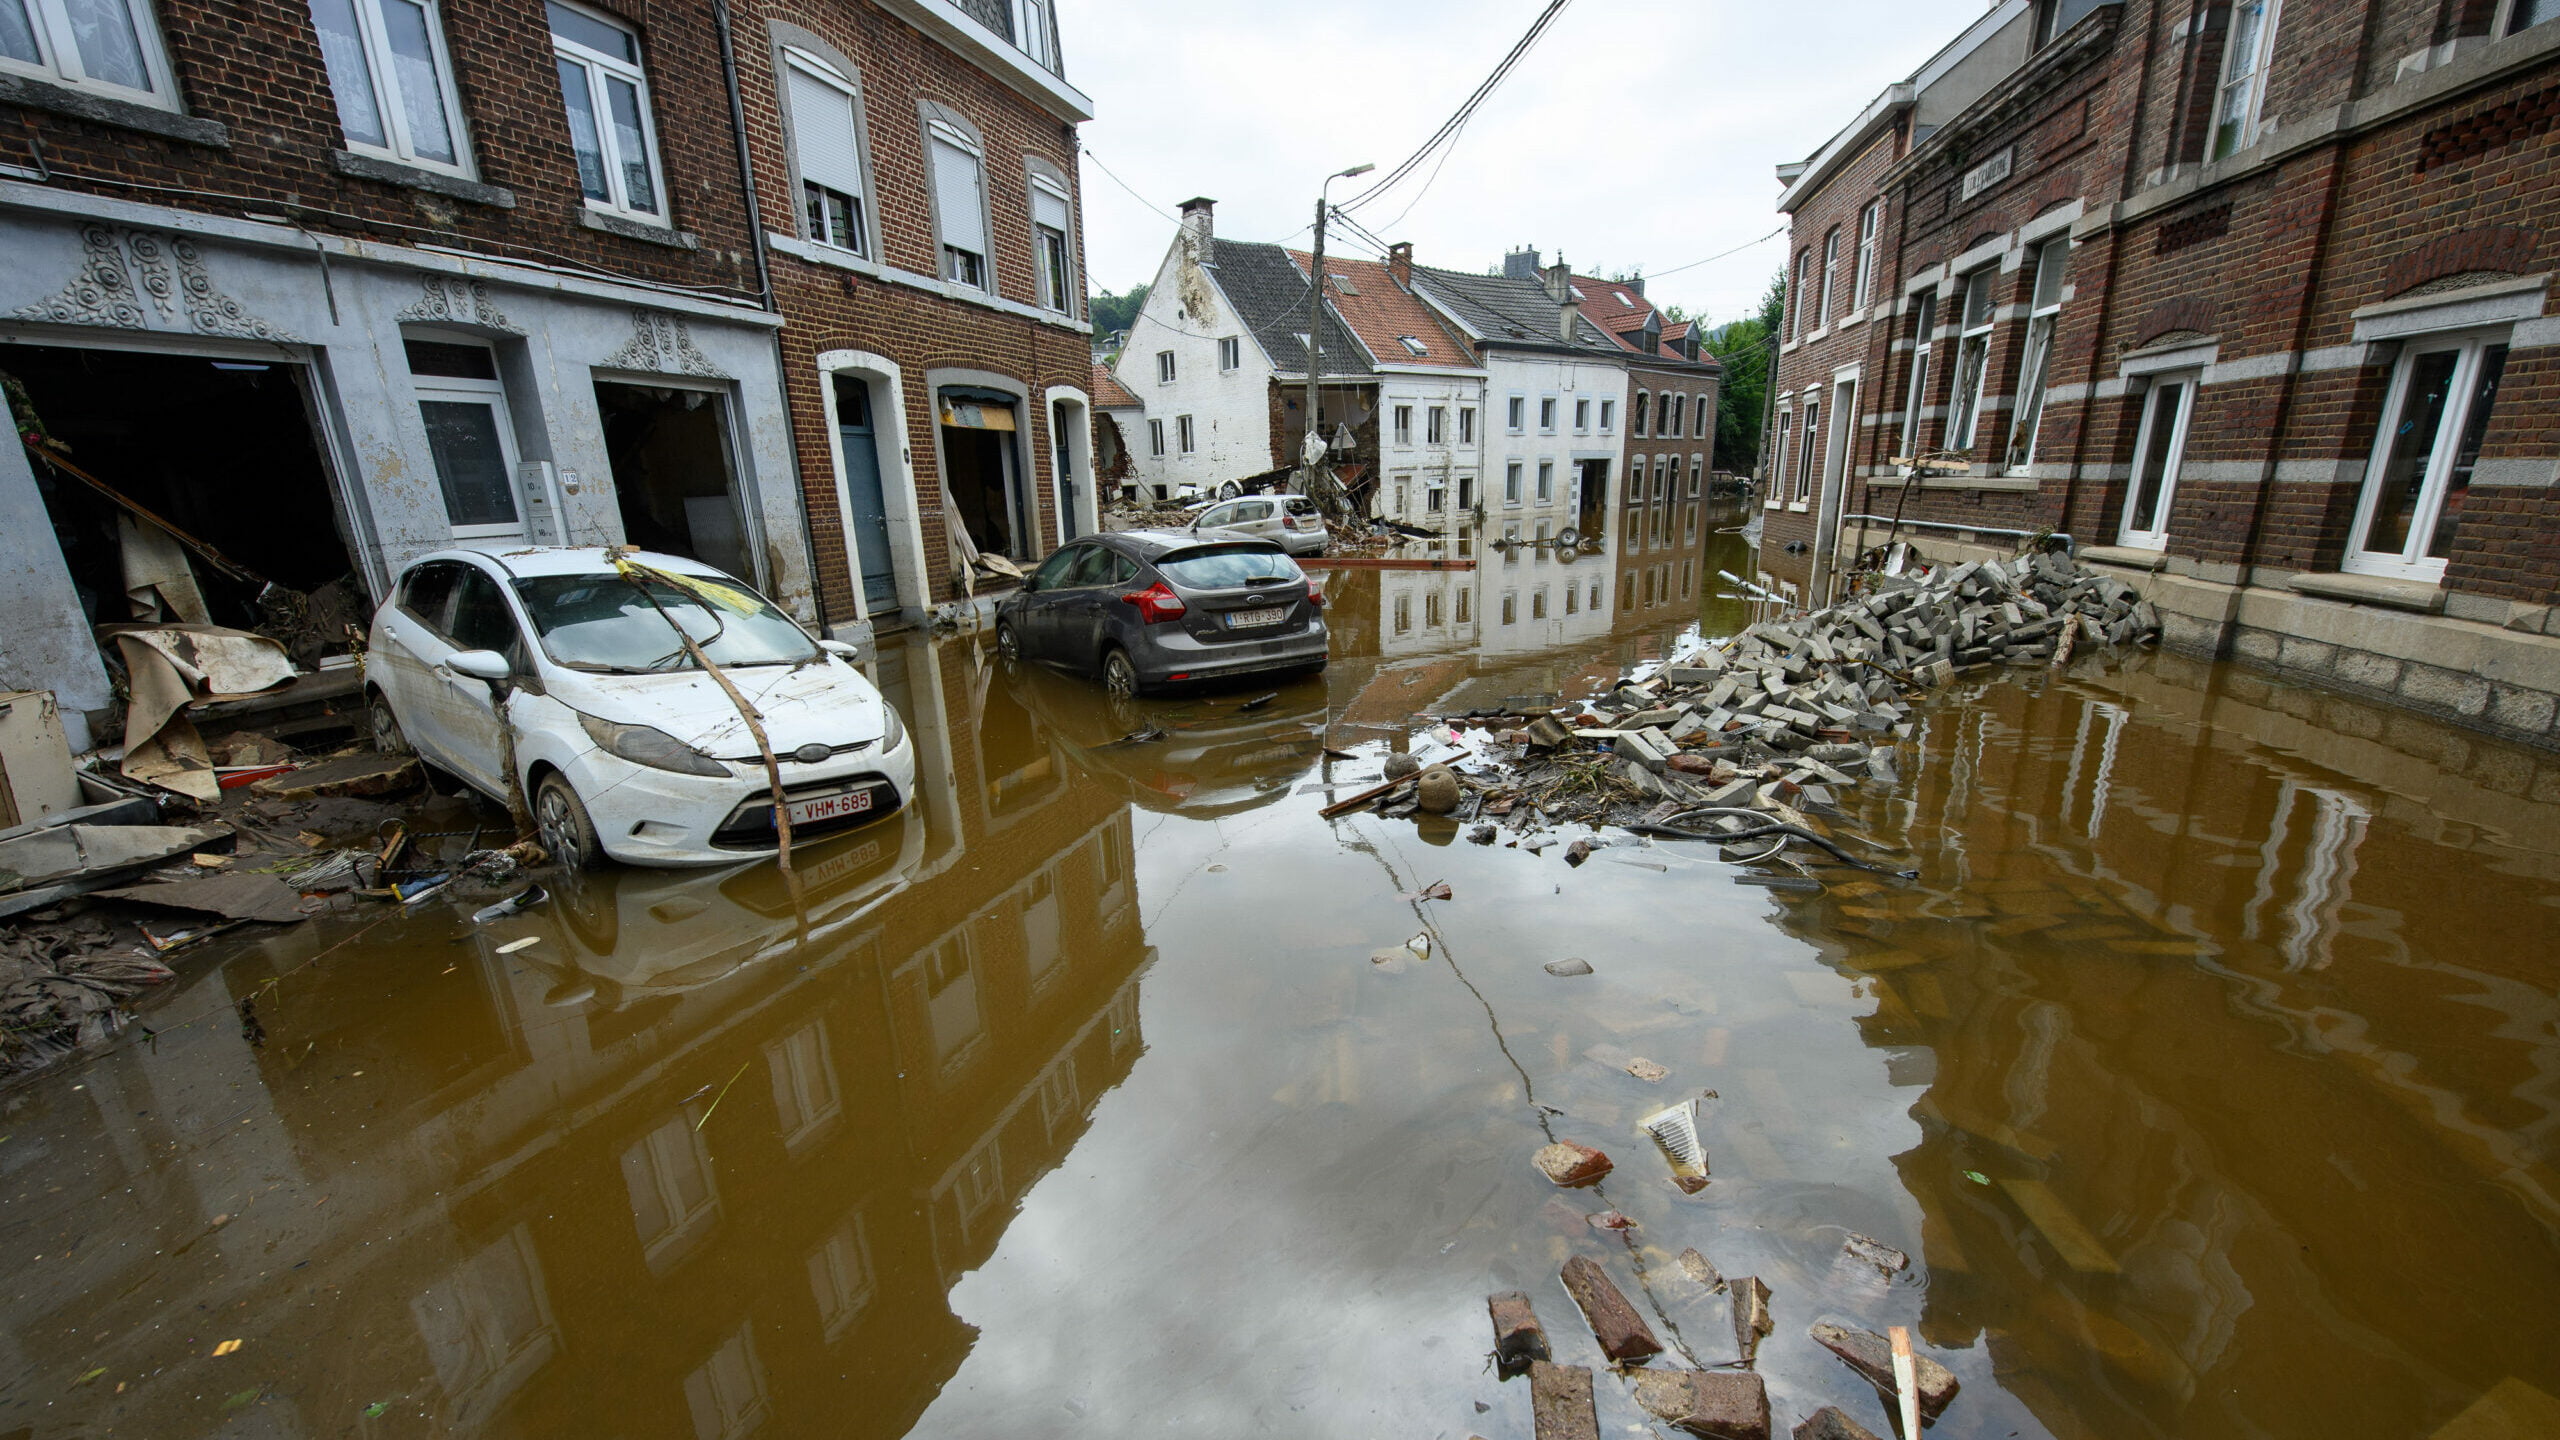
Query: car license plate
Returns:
{"type": "Point", "coordinates": [830, 807]}
{"type": "Point", "coordinates": [1248, 619]}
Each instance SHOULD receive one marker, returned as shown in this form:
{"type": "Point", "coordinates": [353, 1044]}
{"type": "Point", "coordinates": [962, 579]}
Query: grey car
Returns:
{"type": "Point", "coordinates": [1148, 608]}
{"type": "Point", "coordinates": [1290, 521]}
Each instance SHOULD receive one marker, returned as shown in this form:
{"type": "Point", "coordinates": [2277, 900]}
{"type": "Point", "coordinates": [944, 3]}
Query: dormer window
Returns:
{"type": "Point", "coordinates": [1413, 345]}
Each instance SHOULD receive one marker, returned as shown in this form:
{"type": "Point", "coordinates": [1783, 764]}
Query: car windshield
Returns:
{"type": "Point", "coordinates": [605, 622]}
{"type": "Point", "coordinates": [1227, 567]}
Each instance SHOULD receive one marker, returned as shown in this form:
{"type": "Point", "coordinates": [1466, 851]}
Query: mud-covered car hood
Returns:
{"type": "Point", "coordinates": [823, 701]}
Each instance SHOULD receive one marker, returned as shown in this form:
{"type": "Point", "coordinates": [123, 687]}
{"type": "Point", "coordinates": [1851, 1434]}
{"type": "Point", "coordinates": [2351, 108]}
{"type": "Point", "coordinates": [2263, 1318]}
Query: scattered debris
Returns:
{"type": "Point", "coordinates": [41, 864]}
{"type": "Point", "coordinates": [1622, 1333]}
{"type": "Point", "coordinates": [369, 773]}
{"type": "Point", "coordinates": [1437, 791]}
{"type": "Point", "coordinates": [1569, 967]}
{"type": "Point", "coordinates": [1646, 1071]}
{"type": "Point", "coordinates": [1750, 1318]}
{"type": "Point", "coordinates": [1698, 1267]}
{"type": "Point", "coordinates": [1828, 1423]}
{"type": "Point", "coordinates": [522, 900]}
{"type": "Point", "coordinates": [1258, 701]}
{"type": "Point", "coordinates": [1560, 1402]}
{"type": "Point", "coordinates": [60, 988]}
{"type": "Point", "coordinates": [244, 895]}
{"type": "Point", "coordinates": [1401, 766]}
{"type": "Point", "coordinates": [1481, 835]}
{"type": "Point", "coordinates": [1877, 1253]}
{"type": "Point", "coordinates": [1871, 1355]}
{"type": "Point", "coordinates": [1719, 1404]}
{"type": "Point", "coordinates": [1569, 1164]}
{"type": "Point", "coordinates": [1906, 1372]}
{"type": "Point", "coordinates": [1611, 1220]}
{"type": "Point", "coordinates": [1518, 1338]}
{"type": "Point", "coordinates": [1436, 890]}
{"type": "Point", "coordinates": [526, 943]}
{"type": "Point", "coordinates": [1675, 1129]}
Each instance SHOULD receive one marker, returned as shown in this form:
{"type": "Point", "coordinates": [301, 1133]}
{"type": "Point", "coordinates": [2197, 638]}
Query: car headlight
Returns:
{"type": "Point", "coordinates": [644, 745]}
{"type": "Point", "coordinates": [894, 734]}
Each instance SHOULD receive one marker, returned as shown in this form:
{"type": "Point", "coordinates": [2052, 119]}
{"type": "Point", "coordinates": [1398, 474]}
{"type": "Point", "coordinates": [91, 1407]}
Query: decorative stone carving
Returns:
{"type": "Point", "coordinates": [661, 342]}
{"type": "Point", "coordinates": [453, 300]}
{"type": "Point", "coordinates": [144, 280]}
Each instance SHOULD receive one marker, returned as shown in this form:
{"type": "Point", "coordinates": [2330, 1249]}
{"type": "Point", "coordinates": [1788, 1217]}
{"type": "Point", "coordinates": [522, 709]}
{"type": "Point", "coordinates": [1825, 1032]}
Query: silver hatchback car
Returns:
{"type": "Point", "coordinates": [1148, 608]}
{"type": "Point", "coordinates": [1291, 522]}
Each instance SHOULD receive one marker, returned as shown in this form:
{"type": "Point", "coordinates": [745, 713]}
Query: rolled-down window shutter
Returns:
{"type": "Point", "coordinates": [1048, 207]}
{"type": "Point", "coordinates": [822, 129]}
{"type": "Point", "coordinates": [958, 189]}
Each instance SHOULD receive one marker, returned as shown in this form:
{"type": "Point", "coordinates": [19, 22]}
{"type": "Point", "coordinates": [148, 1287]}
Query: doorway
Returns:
{"type": "Point", "coordinates": [675, 476]}
{"type": "Point", "coordinates": [1071, 485]}
{"type": "Point", "coordinates": [1594, 485]}
{"type": "Point", "coordinates": [2157, 450]}
{"type": "Point", "coordinates": [982, 473]}
{"type": "Point", "coordinates": [867, 503]}
{"type": "Point", "coordinates": [1836, 471]}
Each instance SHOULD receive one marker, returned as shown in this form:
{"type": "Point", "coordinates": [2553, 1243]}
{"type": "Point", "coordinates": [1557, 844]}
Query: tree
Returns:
{"type": "Point", "coordinates": [1117, 312]}
{"type": "Point", "coordinates": [1748, 350]}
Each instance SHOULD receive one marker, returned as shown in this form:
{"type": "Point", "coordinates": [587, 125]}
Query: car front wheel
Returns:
{"type": "Point", "coordinates": [1008, 644]}
{"type": "Point", "coordinates": [1119, 673]}
{"type": "Point", "coordinates": [560, 819]}
{"type": "Point", "coordinates": [1230, 490]}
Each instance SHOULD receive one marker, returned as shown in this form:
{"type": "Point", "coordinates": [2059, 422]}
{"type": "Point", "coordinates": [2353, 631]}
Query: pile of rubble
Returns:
{"type": "Point", "coordinates": [64, 988]}
{"type": "Point", "coordinates": [1742, 739]}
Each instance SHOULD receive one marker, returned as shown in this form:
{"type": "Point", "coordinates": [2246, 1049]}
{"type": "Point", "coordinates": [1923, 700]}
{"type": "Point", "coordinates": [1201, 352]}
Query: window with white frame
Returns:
{"type": "Point", "coordinates": [1547, 415]}
{"type": "Point", "coordinates": [1435, 425]}
{"type": "Point", "coordinates": [388, 68]}
{"type": "Point", "coordinates": [1608, 415]}
{"type": "Point", "coordinates": [1662, 416]}
{"type": "Point", "coordinates": [1466, 424]}
{"type": "Point", "coordinates": [1464, 606]}
{"type": "Point", "coordinates": [1155, 437]}
{"type": "Point", "coordinates": [2159, 447]}
{"type": "Point", "coordinates": [1679, 418]}
{"type": "Point", "coordinates": [2530, 12]}
{"type": "Point", "coordinates": [1404, 424]}
{"type": "Point", "coordinates": [464, 407]}
{"type": "Point", "coordinates": [1511, 483]}
{"type": "Point", "coordinates": [1661, 478]}
{"type": "Point", "coordinates": [1697, 475]}
{"type": "Point", "coordinates": [1430, 609]}
{"type": "Point", "coordinates": [1231, 353]}
{"type": "Point", "coordinates": [1805, 450]}
{"type": "Point", "coordinates": [1164, 367]}
{"type": "Point", "coordinates": [2247, 45]}
{"type": "Point", "coordinates": [1973, 357]}
{"type": "Point", "coordinates": [1830, 268]}
{"type": "Point", "coordinates": [1701, 421]}
{"type": "Point", "coordinates": [110, 46]}
{"type": "Point", "coordinates": [1546, 481]}
{"type": "Point", "coordinates": [960, 203]}
{"type": "Point", "coordinates": [1511, 603]}
{"type": "Point", "coordinates": [826, 138]}
{"type": "Point", "coordinates": [1924, 320]}
{"type": "Point", "coordinates": [607, 95]}
{"type": "Point", "coordinates": [1797, 294]}
{"type": "Point", "coordinates": [1870, 223]}
{"type": "Point", "coordinates": [1518, 416]}
{"type": "Point", "coordinates": [1777, 457]}
{"type": "Point", "coordinates": [1182, 429]}
{"type": "Point", "coordinates": [1050, 227]}
{"type": "Point", "coordinates": [2433, 423]}
{"type": "Point", "coordinates": [1581, 417]}
{"type": "Point", "coordinates": [1435, 496]}
{"type": "Point", "coordinates": [2043, 314]}
{"type": "Point", "coordinates": [1538, 600]}
{"type": "Point", "coordinates": [1640, 414]}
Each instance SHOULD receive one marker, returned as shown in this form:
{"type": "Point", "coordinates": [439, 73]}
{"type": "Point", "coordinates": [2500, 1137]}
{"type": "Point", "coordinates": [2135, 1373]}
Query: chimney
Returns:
{"type": "Point", "coordinates": [1400, 262]}
{"type": "Point", "coordinates": [1636, 284]}
{"type": "Point", "coordinates": [1199, 218]}
{"type": "Point", "coordinates": [1520, 264]}
{"type": "Point", "coordinates": [1559, 278]}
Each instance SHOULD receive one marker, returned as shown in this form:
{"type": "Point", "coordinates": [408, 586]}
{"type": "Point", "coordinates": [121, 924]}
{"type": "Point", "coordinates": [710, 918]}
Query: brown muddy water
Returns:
{"type": "Point", "coordinates": [2208, 1073]}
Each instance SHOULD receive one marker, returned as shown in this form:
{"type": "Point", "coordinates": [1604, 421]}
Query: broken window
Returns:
{"type": "Point", "coordinates": [1973, 357]}
{"type": "Point", "coordinates": [1925, 319]}
{"type": "Point", "coordinates": [607, 96]}
{"type": "Point", "coordinates": [391, 76]}
{"type": "Point", "coordinates": [674, 479]}
{"type": "Point", "coordinates": [2043, 314]}
{"type": "Point", "coordinates": [826, 135]}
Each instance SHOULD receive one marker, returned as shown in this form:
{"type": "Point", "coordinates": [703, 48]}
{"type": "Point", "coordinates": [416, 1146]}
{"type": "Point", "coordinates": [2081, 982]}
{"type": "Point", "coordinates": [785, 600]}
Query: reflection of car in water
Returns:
{"type": "Point", "coordinates": [626, 934]}
{"type": "Point", "coordinates": [1210, 758]}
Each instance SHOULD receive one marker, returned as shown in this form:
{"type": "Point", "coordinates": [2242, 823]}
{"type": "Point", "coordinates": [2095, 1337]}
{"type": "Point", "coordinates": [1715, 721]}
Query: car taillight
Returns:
{"type": "Point", "coordinates": [1157, 603]}
{"type": "Point", "coordinates": [1315, 594]}
{"type": "Point", "coordinates": [1288, 522]}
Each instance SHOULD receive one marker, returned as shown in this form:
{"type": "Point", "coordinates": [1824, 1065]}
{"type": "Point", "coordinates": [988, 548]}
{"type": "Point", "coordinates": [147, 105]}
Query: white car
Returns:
{"type": "Point", "coordinates": [623, 745]}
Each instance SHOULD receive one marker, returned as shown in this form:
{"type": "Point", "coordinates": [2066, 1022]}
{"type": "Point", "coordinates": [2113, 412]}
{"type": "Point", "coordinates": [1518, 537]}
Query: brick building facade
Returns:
{"type": "Point", "coordinates": [2250, 303]}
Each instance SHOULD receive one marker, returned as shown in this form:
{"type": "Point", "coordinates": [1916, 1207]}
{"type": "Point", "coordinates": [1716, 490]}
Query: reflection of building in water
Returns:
{"type": "Point", "coordinates": [676, 1169]}
{"type": "Point", "coordinates": [2204, 1029]}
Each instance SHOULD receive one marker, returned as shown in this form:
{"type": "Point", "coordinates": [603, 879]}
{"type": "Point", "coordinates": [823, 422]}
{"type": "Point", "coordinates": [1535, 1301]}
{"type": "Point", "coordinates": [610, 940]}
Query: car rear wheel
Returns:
{"type": "Point", "coordinates": [385, 727]}
{"type": "Point", "coordinates": [1008, 645]}
{"type": "Point", "coordinates": [560, 819]}
{"type": "Point", "coordinates": [1230, 490]}
{"type": "Point", "coordinates": [1119, 673]}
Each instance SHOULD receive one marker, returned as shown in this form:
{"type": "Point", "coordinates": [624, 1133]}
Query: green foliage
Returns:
{"type": "Point", "coordinates": [1117, 312]}
{"type": "Point", "coordinates": [1749, 350]}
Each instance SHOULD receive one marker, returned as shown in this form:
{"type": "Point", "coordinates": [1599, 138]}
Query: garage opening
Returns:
{"type": "Point", "coordinates": [223, 453]}
{"type": "Point", "coordinates": [675, 475]}
{"type": "Point", "coordinates": [982, 471]}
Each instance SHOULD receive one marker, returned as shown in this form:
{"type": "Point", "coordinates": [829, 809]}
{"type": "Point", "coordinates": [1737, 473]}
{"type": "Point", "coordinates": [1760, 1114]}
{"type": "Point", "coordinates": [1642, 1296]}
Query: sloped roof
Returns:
{"type": "Point", "coordinates": [1382, 313]}
{"type": "Point", "coordinates": [1508, 313]}
{"type": "Point", "coordinates": [1269, 291]}
{"type": "Point", "coordinates": [1612, 306]}
{"type": "Point", "coordinates": [1109, 394]}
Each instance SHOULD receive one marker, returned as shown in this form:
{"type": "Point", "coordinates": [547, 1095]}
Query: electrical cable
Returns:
{"type": "Point", "coordinates": [1449, 128]}
{"type": "Point", "coordinates": [1087, 152]}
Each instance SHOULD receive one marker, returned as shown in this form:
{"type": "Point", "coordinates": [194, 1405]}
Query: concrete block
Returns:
{"type": "Point", "coordinates": [2442, 689]}
{"type": "Point", "coordinates": [2526, 712]}
{"type": "Point", "coordinates": [2362, 667]}
{"type": "Point", "coordinates": [2305, 655]}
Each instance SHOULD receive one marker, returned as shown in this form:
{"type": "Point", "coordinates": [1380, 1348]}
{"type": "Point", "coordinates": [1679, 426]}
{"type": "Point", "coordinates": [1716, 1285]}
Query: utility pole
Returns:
{"type": "Point", "coordinates": [1310, 448]}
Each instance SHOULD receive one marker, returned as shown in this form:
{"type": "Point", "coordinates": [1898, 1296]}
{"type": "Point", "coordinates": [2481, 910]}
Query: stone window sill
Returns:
{"type": "Point", "coordinates": [104, 110]}
{"type": "Point", "coordinates": [2132, 557]}
{"type": "Point", "coordinates": [2007, 484]}
{"type": "Point", "coordinates": [392, 172]}
{"type": "Point", "coordinates": [639, 230]}
{"type": "Point", "coordinates": [2412, 595]}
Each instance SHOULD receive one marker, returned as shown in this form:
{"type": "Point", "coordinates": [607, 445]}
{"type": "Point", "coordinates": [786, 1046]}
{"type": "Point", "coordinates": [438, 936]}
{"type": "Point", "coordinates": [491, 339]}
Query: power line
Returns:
{"type": "Point", "coordinates": [1449, 128]}
{"type": "Point", "coordinates": [1736, 250]}
{"type": "Point", "coordinates": [1123, 184]}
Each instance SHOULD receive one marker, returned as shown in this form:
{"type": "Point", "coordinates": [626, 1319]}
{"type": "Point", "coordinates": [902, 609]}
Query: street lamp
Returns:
{"type": "Point", "coordinates": [1308, 450]}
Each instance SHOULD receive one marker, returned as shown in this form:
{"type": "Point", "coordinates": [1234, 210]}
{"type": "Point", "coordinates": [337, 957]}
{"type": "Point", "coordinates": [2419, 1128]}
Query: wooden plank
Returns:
{"type": "Point", "coordinates": [1622, 1333]}
{"type": "Point", "coordinates": [1560, 1402]}
{"type": "Point", "coordinates": [2079, 1249]}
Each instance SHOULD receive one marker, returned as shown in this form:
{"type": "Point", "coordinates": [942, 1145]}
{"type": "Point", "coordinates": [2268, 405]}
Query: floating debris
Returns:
{"type": "Point", "coordinates": [1719, 1404]}
{"type": "Point", "coordinates": [1622, 1333]}
{"type": "Point", "coordinates": [1871, 1355]}
{"type": "Point", "coordinates": [1569, 967]}
{"type": "Point", "coordinates": [1698, 1267]}
{"type": "Point", "coordinates": [1750, 1317]}
{"type": "Point", "coordinates": [1566, 1163]}
{"type": "Point", "coordinates": [1518, 1338]}
{"type": "Point", "coordinates": [1675, 1129]}
{"type": "Point", "coordinates": [1877, 1253]}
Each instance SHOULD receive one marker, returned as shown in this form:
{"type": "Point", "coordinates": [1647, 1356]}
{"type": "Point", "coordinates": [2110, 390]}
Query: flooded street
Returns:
{"type": "Point", "coordinates": [2209, 1073]}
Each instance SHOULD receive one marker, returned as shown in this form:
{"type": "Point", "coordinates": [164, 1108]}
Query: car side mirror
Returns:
{"type": "Point", "coordinates": [1030, 584]}
{"type": "Point", "coordinates": [480, 664]}
{"type": "Point", "coordinates": [840, 647]}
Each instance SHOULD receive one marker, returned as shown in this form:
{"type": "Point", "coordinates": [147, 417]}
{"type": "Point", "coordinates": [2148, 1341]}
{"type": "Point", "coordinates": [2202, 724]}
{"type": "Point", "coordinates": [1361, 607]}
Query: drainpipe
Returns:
{"type": "Point", "coordinates": [764, 287]}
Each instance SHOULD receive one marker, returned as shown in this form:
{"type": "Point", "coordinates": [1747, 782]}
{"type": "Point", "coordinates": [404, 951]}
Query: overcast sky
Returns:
{"type": "Point", "coordinates": [1639, 132]}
